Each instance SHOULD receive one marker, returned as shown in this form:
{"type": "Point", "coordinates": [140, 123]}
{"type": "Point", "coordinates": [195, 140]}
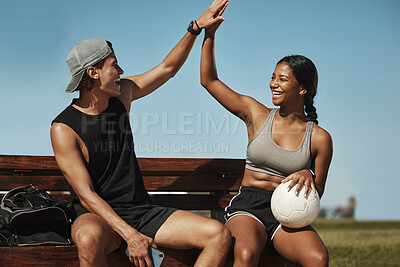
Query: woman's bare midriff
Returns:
{"type": "Point", "coordinates": [260, 180]}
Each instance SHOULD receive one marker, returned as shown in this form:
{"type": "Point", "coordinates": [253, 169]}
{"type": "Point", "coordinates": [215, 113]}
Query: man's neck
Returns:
{"type": "Point", "coordinates": [92, 102]}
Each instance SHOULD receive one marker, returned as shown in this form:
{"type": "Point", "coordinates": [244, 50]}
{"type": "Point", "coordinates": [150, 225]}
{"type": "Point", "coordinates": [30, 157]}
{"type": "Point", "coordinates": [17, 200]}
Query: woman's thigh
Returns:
{"type": "Point", "coordinates": [249, 234]}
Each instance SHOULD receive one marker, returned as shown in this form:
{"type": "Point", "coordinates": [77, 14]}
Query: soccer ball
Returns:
{"type": "Point", "coordinates": [291, 210]}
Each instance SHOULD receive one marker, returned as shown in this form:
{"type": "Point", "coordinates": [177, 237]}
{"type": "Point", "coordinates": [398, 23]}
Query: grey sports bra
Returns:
{"type": "Point", "coordinates": [264, 155]}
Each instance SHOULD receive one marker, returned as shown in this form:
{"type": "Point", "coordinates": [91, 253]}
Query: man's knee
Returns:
{"type": "Point", "coordinates": [219, 233]}
{"type": "Point", "coordinates": [90, 242]}
{"type": "Point", "coordinates": [88, 237]}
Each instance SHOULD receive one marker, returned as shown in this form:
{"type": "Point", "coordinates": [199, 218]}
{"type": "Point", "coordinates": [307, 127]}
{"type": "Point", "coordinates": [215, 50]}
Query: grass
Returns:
{"type": "Point", "coordinates": [360, 243]}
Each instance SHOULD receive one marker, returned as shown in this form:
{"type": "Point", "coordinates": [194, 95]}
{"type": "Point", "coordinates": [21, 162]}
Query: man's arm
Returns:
{"type": "Point", "coordinates": [137, 86]}
{"type": "Point", "coordinates": [71, 162]}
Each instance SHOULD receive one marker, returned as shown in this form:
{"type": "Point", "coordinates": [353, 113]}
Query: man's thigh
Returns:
{"type": "Point", "coordinates": [184, 230]}
{"type": "Point", "coordinates": [90, 226]}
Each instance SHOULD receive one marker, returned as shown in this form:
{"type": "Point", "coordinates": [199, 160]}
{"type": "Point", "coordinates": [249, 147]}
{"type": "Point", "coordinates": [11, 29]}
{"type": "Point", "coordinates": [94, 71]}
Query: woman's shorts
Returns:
{"type": "Point", "coordinates": [145, 218]}
{"type": "Point", "coordinates": [255, 203]}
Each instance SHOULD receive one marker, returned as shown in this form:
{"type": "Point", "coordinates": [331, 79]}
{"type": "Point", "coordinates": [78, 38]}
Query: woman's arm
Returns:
{"type": "Point", "coordinates": [322, 151]}
{"type": "Point", "coordinates": [322, 144]}
{"type": "Point", "coordinates": [239, 105]}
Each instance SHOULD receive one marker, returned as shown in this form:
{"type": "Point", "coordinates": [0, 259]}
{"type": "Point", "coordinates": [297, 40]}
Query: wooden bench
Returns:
{"type": "Point", "coordinates": [211, 182]}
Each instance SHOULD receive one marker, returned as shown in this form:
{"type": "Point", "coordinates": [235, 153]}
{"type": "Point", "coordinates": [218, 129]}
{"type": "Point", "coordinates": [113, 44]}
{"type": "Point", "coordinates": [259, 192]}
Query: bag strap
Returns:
{"type": "Point", "coordinates": [26, 197]}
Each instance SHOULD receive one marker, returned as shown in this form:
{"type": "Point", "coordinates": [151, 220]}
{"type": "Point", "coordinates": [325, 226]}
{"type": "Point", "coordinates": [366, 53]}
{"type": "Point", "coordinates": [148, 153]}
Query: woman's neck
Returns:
{"type": "Point", "coordinates": [292, 113]}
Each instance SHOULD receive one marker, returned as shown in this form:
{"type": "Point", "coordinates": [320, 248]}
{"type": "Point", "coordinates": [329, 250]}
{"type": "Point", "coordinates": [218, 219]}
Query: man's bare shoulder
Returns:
{"type": "Point", "coordinates": [59, 128]}
{"type": "Point", "coordinates": [62, 135]}
{"type": "Point", "coordinates": [128, 87]}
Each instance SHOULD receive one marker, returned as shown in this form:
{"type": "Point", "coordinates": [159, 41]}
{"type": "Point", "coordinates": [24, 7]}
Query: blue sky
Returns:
{"type": "Point", "coordinates": [354, 44]}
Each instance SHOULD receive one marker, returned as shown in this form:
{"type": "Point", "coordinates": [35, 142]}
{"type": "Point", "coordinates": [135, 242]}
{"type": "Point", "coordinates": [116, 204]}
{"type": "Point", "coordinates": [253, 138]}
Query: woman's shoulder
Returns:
{"type": "Point", "coordinates": [255, 106]}
{"type": "Point", "coordinates": [259, 112]}
{"type": "Point", "coordinates": [321, 136]}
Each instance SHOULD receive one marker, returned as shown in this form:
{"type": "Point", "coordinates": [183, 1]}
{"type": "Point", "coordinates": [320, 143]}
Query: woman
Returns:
{"type": "Point", "coordinates": [285, 145]}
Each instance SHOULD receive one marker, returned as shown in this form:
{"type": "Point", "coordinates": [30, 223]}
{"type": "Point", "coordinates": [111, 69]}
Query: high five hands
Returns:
{"type": "Point", "coordinates": [213, 15]}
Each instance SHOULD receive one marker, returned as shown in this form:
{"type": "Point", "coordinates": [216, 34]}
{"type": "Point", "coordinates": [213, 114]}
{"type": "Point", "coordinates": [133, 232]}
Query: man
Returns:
{"type": "Point", "coordinates": [93, 146]}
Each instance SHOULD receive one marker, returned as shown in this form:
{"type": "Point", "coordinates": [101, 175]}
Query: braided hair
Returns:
{"type": "Point", "coordinates": [306, 74]}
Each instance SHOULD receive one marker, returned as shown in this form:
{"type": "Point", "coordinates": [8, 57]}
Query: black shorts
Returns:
{"type": "Point", "coordinates": [145, 218]}
{"type": "Point", "coordinates": [255, 203]}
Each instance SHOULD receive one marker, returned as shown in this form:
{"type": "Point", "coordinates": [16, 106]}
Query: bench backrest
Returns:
{"type": "Point", "coordinates": [210, 182]}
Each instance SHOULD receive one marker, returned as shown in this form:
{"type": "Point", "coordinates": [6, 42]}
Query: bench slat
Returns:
{"type": "Point", "coordinates": [27, 162]}
{"type": "Point", "coordinates": [183, 202]}
{"type": "Point", "coordinates": [152, 183]}
{"type": "Point", "coordinates": [42, 256]}
{"type": "Point", "coordinates": [192, 165]}
{"type": "Point", "coordinates": [146, 164]}
{"type": "Point", "coordinates": [191, 183]}
{"type": "Point", "coordinates": [39, 256]}
{"type": "Point", "coordinates": [49, 183]}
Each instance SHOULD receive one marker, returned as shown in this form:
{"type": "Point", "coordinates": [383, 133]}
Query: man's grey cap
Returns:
{"type": "Point", "coordinates": [85, 54]}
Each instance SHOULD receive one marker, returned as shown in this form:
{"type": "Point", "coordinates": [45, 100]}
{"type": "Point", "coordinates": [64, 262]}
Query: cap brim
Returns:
{"type": "Point", "coordinates": [73, 84]}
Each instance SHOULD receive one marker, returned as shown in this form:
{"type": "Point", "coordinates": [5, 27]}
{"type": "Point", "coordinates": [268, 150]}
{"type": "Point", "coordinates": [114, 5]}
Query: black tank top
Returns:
{"type": "Point", "coordinates": [112, 166]}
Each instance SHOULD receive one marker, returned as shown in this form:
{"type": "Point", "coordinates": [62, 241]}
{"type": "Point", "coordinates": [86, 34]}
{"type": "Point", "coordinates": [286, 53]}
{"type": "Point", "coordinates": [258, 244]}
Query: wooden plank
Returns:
{"type": "Point", "coordinates": [30, 172]}
{"type": "Point", "coordinates": [191, 183]}
{"type": "Point", "coordinates": [146, 164]}
{"type": "Point", "coordinates": [152, 183]}
{"type": "Point", "coordinates": [67, 197]}
{"type": "Point", "coordinates": [185, 258]}
{"type": "Point", "coordinates": [28, 162]}
{"type": "Point", "coordinates": [43, 256]}
{"type": "Point", "coordinates": [183, 202]}
{"type": "Point", "coordinates": [51, 183]}
{"type": "Point", "coordinates": [192, 165]}
{"type": "Point", "coordinates": [39, 256]}
{"type": "Point", "coordinates": [67, 256]}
